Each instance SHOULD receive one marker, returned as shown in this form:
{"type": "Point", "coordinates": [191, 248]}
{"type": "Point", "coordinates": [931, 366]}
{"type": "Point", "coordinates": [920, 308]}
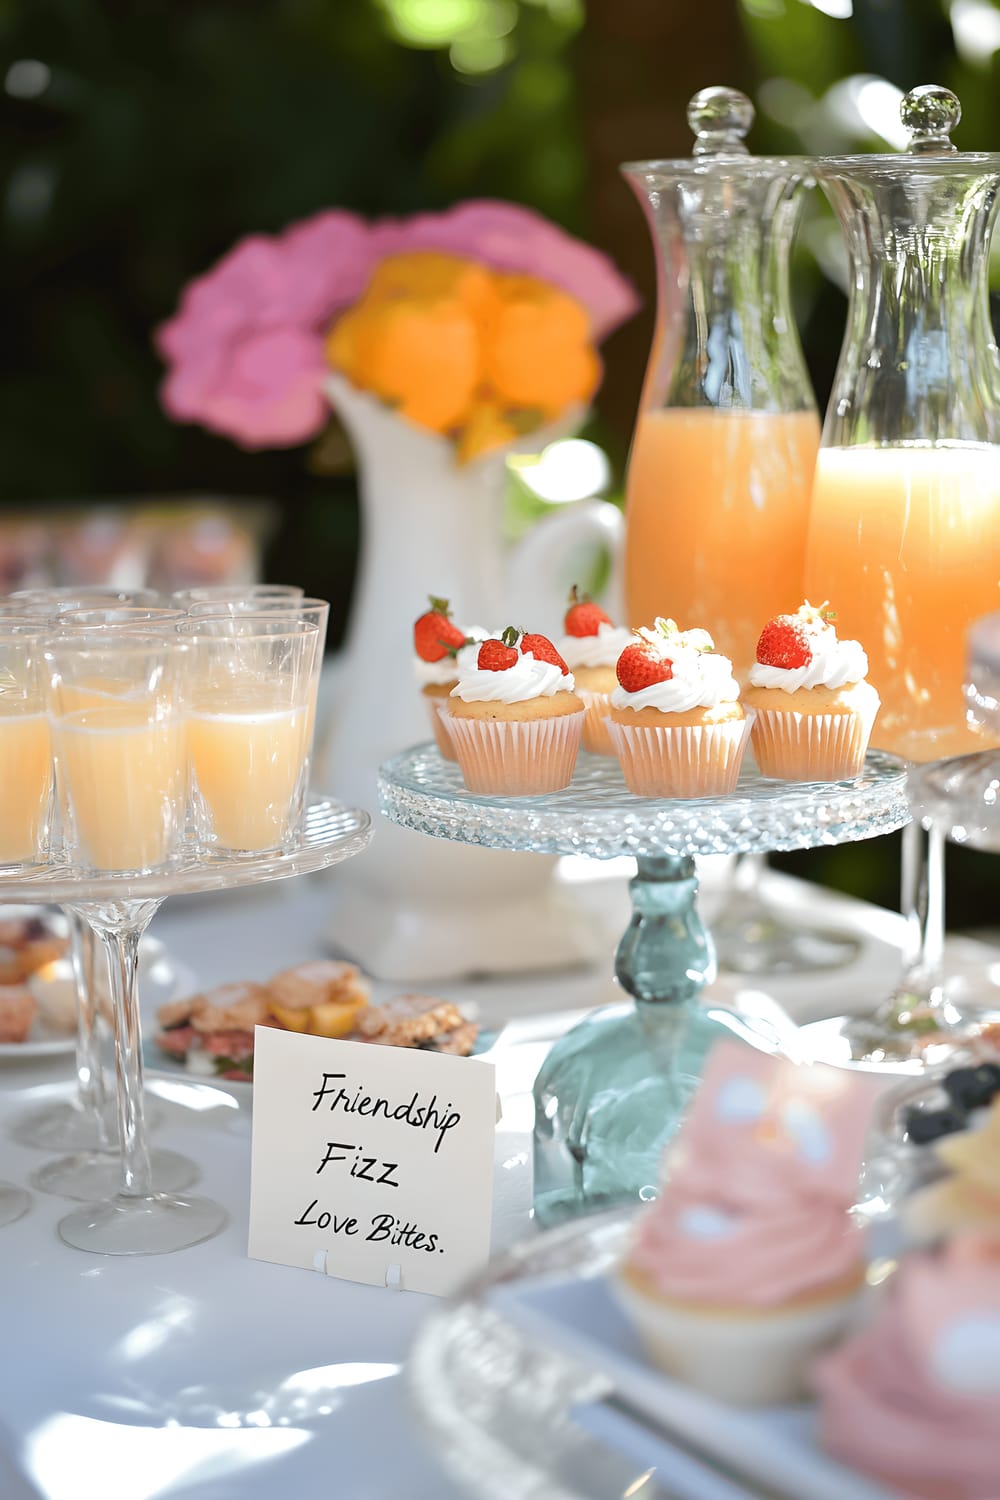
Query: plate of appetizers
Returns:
{"type": "Point", "coordinates": [210, 1035]}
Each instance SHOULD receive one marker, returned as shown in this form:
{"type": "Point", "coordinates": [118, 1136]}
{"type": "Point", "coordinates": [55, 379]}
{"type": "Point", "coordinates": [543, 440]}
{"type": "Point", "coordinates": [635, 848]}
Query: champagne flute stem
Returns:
{"type": "Point", "coordinates": [91, 1081]}
{"type": "Point", "coordinates": [923, 887]}
{"type": "Point", "coordinates": [120, 926]}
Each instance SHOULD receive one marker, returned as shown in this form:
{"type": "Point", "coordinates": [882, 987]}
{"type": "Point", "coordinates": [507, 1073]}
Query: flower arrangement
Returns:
{"type": "Point", "coordinates": [480, 323]}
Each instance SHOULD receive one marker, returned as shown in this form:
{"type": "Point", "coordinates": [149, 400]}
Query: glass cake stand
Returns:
{"type": "Point", "coordinates": [612, 1090]}
{"type": "Point", "coordinates": [118, 908]}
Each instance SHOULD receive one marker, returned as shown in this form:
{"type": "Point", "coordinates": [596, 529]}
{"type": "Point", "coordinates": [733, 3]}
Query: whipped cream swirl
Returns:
{"type": "Point", "coordinates": [701, 679]}
{"type": "Point", "coordinates": [441, 673]}
{"type": "Point", "coordinates": [524, 679]}
{"type": "Point", "coordinates": [600, 650]}
{"type": "Point", "coordinates": [834, 664]}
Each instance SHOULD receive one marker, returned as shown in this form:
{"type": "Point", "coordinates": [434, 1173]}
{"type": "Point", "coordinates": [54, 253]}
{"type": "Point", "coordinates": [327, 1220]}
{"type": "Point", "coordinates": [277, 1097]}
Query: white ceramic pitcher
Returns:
{"type": "Point", "coordinates": [415, 908]}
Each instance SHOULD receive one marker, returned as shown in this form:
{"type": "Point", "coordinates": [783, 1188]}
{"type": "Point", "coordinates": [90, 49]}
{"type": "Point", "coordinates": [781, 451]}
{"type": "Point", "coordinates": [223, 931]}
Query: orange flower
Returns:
{"type": "Point", "coordinates": [539, 353]}
{"type": "Point", "coordinates": [425, 273]}
{"type": "Point", "coordinates": [420, 355]}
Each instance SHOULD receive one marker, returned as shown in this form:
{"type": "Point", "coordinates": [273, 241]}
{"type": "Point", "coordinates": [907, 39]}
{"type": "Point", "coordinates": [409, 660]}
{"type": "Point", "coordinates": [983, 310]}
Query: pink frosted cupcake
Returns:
{"type": "Point", "coordinates": [675, 722]}
{"type": "Point", "coordinates": [814, 711]}
{"type": "Point", "coordinates": [914, 1399]}
{"type": "Point", "coordinates": [514, 718]}
{"type": "Point", "coordinates": [591, 648]}
{"type": "Point", "coordinates": [749, 1264]}
{"type": "Point", "coordinates": [437, 645]}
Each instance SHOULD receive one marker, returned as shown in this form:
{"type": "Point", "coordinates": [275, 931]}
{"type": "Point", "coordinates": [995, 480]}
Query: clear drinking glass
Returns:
{"type": "Point", "coordinates": [117, 702]}
{"type": "Point", "coordinates": [121, 617]}
{"type": "Point", "coordinates": [906, 505]}
{"type": "Point", "coordinates": [75, 596]}
{"type": "Point", "coordinates": [250, 726]}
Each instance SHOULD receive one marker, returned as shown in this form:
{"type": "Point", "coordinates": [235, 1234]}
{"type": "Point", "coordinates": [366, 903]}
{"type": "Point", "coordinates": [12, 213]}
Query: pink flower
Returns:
{"type": "Point", "coordinates": [245, 349]}
{"type": "Point", "coordinates": [511, 238]}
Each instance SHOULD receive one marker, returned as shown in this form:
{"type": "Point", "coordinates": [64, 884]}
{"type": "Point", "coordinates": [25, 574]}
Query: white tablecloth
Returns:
{"type": "Point", "coordinates": [207, 1376]}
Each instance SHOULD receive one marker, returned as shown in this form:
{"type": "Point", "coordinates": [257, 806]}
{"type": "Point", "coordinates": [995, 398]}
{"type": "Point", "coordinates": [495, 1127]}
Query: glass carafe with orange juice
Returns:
{"type": "Point", "coordinates": [904, 536]}
{"type": "Point", "coordinates": [722, 461]}
{"type": "Point", "coordinates": [905, 531]}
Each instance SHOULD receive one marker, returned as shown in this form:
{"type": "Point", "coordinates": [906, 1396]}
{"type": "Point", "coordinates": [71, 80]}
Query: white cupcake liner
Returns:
{"type": "Point", "coordinates": [517, 758]}
{"type": "Point", "coordinates": [595, 730]}
{"type": "Point", "coordinates": [683, 760]}
{"type": "Point", "coordinates": [753, 1357]}
{"type": "Point", "coordinates": [790, 746]}
{"type": "Point", "coordinates": [437, 709]}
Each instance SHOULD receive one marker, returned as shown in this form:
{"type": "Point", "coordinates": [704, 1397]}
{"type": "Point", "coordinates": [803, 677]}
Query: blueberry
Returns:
{"type": "Point", "coordinates": [925, 1125]}
{"type": "Point", "coordinates": [972, 1088]}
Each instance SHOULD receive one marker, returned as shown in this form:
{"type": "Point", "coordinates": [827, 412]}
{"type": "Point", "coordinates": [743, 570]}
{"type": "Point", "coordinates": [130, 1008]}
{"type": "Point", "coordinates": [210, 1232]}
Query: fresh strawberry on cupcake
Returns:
{"type": "Point", "coordinates": [676, 722]}
{"type": "Point", "coordinates": [814, 708]}
{"type": "Point", "coordinates": [591, 648]}
{"type": "Point", "coordinates": [514, 717]}
{"type": "Point", "coordinates": [437, 642]}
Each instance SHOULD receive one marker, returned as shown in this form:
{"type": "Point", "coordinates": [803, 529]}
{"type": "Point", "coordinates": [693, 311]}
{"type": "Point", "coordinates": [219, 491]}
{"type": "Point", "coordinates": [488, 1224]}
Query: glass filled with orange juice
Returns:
{"type": "Point", "coordinates": [722, 460]}
{"type": "Point", "coordinates": [905, 530]}
{"type": "Point", "coordinates": [25, 748]}
{"type": "Point", "coordinates": [249, 727]}
{"type": "Point", "coordinates": [116, 709]}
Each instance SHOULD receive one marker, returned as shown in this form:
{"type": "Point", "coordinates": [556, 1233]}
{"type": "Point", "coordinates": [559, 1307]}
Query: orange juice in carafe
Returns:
{"type": "Point", "coordinates": [716, 520]}
{"type": "Point", "coordinates": [905, 541]}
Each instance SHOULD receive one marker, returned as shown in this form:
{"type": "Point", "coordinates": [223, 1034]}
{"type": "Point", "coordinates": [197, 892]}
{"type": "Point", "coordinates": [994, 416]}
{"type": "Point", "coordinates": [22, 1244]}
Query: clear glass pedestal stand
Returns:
{"type": "Point", "coordinates": [611, 1091]}
{"type": "Point", "coordinates": [139, 1219]}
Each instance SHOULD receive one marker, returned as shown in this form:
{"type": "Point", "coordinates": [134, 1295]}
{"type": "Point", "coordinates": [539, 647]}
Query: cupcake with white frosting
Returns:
{"type": "Point", "coordinates": [438, 643]}
{"type": "Point", "coordinates": [591, 648]}
{"type": "Point", "coordinates": [814, 708]}
{"type": "Point", "coordinates": [514, 717]}
{"type": "Point", "coordinates": [675, 721]}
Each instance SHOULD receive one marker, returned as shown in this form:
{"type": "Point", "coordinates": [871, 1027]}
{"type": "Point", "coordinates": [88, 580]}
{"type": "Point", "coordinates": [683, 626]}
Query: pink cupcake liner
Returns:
{"type": "Point", "coordinates": [681, 761]}
{"type": "Point", "coordinates": [439, 717]}
{"type": "Point", "coordinates": [811, 747]}
{"type": "Point", "coordinates": [595, 733]}
{"type": "Point", "coordinates": [523, 758]}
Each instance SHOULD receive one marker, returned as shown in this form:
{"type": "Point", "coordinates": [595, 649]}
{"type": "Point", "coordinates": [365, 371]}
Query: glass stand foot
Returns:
{"type": "Point", "coordinates": [14, 1202]}
{"type": "Point", "coordinates": [755, 941]}
{"type": "Point", "coordinates": [92, 1175]}
{"type": "Point", "coordinates": [69, 1126]}
{"type": "Point", "coordinates": [154, 1225]}
{"type": "Point", "coordinates": [913, 1034]}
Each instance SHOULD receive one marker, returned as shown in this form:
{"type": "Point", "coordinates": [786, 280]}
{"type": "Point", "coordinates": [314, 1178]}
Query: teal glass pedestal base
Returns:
{"type": "Point", "coordinates": [612, 1091]}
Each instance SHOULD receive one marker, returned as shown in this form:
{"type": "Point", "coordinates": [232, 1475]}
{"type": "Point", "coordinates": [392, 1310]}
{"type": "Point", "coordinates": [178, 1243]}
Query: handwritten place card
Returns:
{"type": "Point", "coordinates": [380, 1156]}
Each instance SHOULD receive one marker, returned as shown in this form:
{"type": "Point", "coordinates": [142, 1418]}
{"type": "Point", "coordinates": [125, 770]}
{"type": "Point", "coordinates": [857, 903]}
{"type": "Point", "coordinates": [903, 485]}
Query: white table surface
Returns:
{"type": "Point", "coordinates": [207, 1376]}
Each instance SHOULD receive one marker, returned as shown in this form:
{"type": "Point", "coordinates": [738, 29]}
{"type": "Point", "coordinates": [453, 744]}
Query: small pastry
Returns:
{"type": "Point", "coordinates": [26, 944]}
{"type": "Point", "coordinates": [514, 717]}
{"type": "Point", "coordinates": [438, 643]}
{"type": "Point", "coordinates": [591, 648]}
{"type": "Point", "coordinates": [814, 709]}
{"type": "Point", "coordinates": [749, 1263]}
{"type": "Point", "coordinates": [913, 1399]}
{"type": "Point", "coordinates": [54, 989]}
{"type": "Point", "coordinates": [322, 998]}
{"type": "Point", "coordinates": [676, 722]}
{"type": "Point", "coordinates": [213, 1033]}
{"type": "Point", "coordinates": [418, 1021]}
{"type": "Point", "coordinates": [17, 1012]}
